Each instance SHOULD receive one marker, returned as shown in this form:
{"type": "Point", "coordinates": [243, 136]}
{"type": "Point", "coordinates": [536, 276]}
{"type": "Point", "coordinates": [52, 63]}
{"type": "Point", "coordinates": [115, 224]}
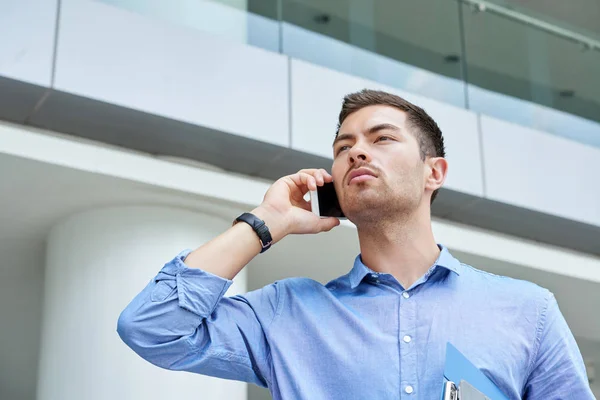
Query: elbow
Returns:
{"type": "Point", "coordinates": [129, 330]}
{"type": "Point", "coordinates": [137, 337]}
{"type": "Point", "coordinates": [137, 332]}
{"type": "Point", "coordinates": [149, 340]}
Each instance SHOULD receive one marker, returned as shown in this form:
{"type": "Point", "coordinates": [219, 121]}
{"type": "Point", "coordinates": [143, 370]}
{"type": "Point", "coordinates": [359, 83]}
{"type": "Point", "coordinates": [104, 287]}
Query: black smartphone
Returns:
{"type": "Point", "coordinates": [324, 202]}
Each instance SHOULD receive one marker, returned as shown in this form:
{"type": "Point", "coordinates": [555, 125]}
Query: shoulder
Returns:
{"type": "Point", "coordinates": [516, 308]}
{"type": "Point", "coordinates": [270, 299]}
{"type": "Point", "coordinates": [300, 291]}
{"type": "Point", "coordinates": [296, 289]}
{"type": "Point", "coordinates": [295, 284]}
{"type": "Point", "coordinates": [300, 285]}
{"type": "Point", "coordinates": [516, 291]}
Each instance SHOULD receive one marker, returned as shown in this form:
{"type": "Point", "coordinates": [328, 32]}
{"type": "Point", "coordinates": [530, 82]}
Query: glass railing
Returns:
{"type": "Point", "coordinates": [491, 57]}
{"type": "Point", "coordinates": [522, 70]}
{"type": "Point", "coordinates": [385, 41]}
{"type": "Point", "coordinates": [578, 17]}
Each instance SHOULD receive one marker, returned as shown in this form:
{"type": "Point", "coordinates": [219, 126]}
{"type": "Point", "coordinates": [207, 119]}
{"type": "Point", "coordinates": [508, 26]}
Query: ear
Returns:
{"type": "Point", "coordinates": [436, 171]}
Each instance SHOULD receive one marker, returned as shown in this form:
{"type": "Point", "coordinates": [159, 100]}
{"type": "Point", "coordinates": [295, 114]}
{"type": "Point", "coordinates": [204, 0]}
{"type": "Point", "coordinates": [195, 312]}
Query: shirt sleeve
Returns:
{"type": "Point", "coordinates": [558, 371]}
{"type": "Point", "coordinates": [182, 321]}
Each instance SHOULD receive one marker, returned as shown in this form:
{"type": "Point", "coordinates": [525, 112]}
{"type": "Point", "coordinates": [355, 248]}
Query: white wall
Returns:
{"type": "Point", "coordinates": [97, 261]}
{"type": "Point", "coordinates": [21, 291]}
{"type": "Point", "coordinates": [27, 30]}
{"type": "Point", "coordinates": [542, 172]}
{"type": "Point", "coordinates": [172, 71]}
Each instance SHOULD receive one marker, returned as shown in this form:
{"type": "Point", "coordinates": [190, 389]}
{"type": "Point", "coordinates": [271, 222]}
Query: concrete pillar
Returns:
{"type": "Point", "coordinates": [97, 261]}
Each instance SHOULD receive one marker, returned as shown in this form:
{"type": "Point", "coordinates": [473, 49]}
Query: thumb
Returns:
{"type": "Point", "coordinates": [327, 224]}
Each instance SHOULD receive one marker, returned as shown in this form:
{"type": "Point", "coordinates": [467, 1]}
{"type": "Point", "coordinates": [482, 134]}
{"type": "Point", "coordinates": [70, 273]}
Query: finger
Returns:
{"type": "Point", "coordinates": [318, 174]}
{"type": "Point", "coordinates": [309, 171]}
{"type": "Point", "coordinates": [299, 180]}
{"type": "Point", "coordinates": [327, 224]}
{"type": "Point", "coordinates": [326, 175]}
{"type": "Point", "coordinates": [320, 179]}
{"type": "Point", "coordinates": [310, 181]}
{"type": "Point", "coordinates": [304, 181]}
{"type": "Point", "coordinates": [297, 189]}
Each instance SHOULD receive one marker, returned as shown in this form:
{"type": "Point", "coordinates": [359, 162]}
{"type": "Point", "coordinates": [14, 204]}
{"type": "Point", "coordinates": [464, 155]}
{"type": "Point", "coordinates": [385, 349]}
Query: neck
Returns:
{"type": "Point", "coordinates": [403, 246]}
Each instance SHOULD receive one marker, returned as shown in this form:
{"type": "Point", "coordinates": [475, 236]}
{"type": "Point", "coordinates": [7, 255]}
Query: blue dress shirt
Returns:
{"type": "Point", "coordinates": [361, 336]}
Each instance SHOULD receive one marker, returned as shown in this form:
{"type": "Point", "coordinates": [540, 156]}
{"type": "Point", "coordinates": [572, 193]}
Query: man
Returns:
{"type": "Point", "coordinates": [379, 332]}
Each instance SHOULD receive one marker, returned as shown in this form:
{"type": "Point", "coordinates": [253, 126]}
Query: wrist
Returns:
{"type": "Point", "coordinates": [273, 220]}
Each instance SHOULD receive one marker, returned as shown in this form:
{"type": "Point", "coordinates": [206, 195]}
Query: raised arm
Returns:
{"type": "Point", "coordinates": [181, 321]}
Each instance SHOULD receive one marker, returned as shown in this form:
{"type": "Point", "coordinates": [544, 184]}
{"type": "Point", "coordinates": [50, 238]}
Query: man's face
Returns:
{"type": "Point", "coordinates": [376, 140]}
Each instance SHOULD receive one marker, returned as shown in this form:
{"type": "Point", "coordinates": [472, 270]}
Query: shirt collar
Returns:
{"type": "Point", "coordinates": [444, 260]}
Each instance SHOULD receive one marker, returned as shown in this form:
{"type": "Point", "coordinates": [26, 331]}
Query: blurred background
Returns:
{"type": "Point", "coordinates": [133, 129]}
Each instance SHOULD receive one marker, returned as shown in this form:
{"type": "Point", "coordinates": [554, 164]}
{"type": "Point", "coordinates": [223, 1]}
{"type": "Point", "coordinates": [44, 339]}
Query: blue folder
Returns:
{"type": "Point", "coordinates": [458, 368]}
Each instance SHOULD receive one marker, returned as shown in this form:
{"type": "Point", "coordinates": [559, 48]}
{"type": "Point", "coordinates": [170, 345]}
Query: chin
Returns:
{"type": "Point", "coordinates": [371, 206]}
{"type": "Point", "coordinates": [362, 206]}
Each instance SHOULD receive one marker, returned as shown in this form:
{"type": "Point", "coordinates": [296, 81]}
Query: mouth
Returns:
{"type": "Point", "coordinates": [360, 175]}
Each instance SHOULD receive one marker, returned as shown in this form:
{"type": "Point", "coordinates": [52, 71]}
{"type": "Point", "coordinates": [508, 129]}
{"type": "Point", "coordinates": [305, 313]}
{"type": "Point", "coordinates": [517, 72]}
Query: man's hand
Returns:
{"type": "Point", "coordinates": [284, 209]}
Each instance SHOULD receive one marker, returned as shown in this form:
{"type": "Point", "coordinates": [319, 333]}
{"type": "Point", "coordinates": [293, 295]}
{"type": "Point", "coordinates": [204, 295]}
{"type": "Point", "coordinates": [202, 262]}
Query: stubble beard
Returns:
{"type": "Point", "coordinates": [379, 206]}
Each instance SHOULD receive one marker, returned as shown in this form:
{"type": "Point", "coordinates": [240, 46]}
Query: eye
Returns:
{"type": "Point", "coordinates": [342, 148]}
{"type": "Point", "coordinates": [380, 138]}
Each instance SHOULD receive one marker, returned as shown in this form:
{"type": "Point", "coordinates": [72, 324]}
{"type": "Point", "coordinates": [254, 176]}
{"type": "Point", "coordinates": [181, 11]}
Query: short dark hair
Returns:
{"type": "Point", "coordinates": [428, 133]}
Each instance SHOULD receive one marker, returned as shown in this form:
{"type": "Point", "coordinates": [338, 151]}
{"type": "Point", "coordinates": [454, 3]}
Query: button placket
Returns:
{"type": "Point", "coordinates": [408, 356]}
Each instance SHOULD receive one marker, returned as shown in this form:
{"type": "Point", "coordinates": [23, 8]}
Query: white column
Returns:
{"type": "Point", "coordinates": [97, 262]}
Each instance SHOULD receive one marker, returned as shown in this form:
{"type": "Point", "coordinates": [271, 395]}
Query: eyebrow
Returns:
{"type": "Point", "coordinates": [370, 131]}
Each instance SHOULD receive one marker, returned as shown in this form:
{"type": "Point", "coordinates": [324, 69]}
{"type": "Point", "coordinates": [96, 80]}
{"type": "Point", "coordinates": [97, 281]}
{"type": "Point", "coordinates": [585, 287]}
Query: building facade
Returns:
{"type": "Point", "coordinates": [131, 130]}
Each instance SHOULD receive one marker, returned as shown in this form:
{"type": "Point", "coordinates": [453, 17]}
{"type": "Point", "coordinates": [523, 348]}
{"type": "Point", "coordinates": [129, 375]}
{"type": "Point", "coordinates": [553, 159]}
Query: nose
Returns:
{"type": "Point", "coordinates": [357, 154]}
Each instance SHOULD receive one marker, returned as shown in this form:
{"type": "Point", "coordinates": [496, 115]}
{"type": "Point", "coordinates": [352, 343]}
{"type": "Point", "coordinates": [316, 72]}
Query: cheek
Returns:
{"type": "Point", "coordinates": [337, 172]}
{"type": "Point", "coordinates": [404, 171]}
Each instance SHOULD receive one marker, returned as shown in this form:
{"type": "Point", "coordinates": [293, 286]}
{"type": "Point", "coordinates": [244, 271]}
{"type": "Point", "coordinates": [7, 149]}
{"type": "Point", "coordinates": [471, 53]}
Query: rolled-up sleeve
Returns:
{"type": "Point", "coordinates": [182, 321]}
{"type": "Point", "coordinates": [558, 371]}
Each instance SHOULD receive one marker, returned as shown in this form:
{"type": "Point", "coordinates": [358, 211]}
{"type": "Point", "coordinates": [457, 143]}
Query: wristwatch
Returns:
{"type": "Point", "coordinates": [258, 225]}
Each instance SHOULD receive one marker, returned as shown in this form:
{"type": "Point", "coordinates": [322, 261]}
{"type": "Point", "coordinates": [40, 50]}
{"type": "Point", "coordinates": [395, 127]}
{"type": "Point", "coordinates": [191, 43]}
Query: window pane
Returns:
{"type": "Point", "coordinates": [520, 72]}
{"type": "Point", "coordinates": [408, 44]}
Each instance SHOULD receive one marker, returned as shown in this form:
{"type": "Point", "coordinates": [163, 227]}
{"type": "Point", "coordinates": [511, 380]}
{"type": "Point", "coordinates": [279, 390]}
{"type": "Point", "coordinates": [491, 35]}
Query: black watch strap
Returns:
{"type": "Point", "coordinates": [259, 227]}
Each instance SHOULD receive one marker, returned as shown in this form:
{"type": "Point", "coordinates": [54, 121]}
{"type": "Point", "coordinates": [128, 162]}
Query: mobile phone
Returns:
{"type": "Point", "coordinates": [324, 202]}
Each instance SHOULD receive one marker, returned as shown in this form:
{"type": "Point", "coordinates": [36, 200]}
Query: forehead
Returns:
{"type": "Point", "coordinates": [369, 116]}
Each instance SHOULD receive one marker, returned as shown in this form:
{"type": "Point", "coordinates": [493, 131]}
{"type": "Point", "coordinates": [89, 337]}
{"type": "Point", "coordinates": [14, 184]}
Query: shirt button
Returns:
{"type": "Point", "coordinates": [405, 295]}
{"type": "Point", "coordinates": [408, 389]}
{"type": "Point", "coordinates": [407, 339]}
